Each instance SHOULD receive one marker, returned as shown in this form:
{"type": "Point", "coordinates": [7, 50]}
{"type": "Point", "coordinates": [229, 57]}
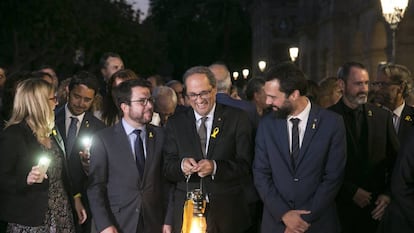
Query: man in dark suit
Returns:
{"type": "Point", "coordinates": [127, 190]}
{"type": "Point", "coordinates": [371, 148]}
{"type": "Point", "coordinates": [210, 145]}
{"type": "Point", "coordinates": [83, 88]}
{"type": "Point", "coordinates": [298, 167]}
{"type": "Point", "coordinates": [399, 215]}
{"type": "Point", "coordinates": [393, 84]}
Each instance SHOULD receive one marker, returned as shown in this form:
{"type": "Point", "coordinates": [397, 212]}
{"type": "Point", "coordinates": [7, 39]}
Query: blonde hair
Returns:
{"type": "Point", "coordinates": [31, 103]}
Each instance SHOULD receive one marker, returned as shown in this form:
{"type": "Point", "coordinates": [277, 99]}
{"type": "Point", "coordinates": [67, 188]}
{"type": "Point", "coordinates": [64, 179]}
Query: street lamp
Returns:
{"type": "Point", "coordinates": [393, 12]}
{"type": "Point", "coordinates": [293, 53]}
{"type": "Point", "coordinates": [235, 75]}
{"type": "Point", "coordinates": [245, 73]}
{"type": "Point", "coordinates": [262, 65]}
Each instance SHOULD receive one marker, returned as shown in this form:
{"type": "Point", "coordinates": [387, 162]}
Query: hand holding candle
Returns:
{"type": "Point", "coordinates": [38, 173]}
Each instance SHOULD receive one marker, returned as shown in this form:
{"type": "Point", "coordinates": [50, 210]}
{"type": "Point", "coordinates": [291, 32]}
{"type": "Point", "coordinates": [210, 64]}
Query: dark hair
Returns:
{"type": "Point", "coordinates": [84, 78]}
{"type": "Point", "coordinates": [200, 70]}
{"type": "Point", "coordinates": [345, 69]}
{"type": "Point", "coordinates": [40, 74]}
{"type": "Point", "coordinates": [290, 78]}
{"type": "Point", "coordinates": [253, 86]}
{"type": "Point", "coordinates": [105, 56]}
{"type": "Point", "coordinates": [110, 111]}
{"type": "Point", "coordinates": [123, 92]}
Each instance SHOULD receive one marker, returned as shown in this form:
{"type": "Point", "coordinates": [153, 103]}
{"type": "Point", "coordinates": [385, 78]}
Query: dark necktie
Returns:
{"type": "Point", "coordinates": [295, 141]}
{"type": "Point", "coordinates": [202, 133]}
{"type": "Point", "coordinates": [395, 121]}
{"type": "Point", "coordinates": [139, 152]}
{"type": "Point", "coordinates": [71, 137]}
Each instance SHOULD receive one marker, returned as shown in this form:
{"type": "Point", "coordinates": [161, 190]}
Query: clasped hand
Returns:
{"type": "Point", "coordinates": [203, 167]}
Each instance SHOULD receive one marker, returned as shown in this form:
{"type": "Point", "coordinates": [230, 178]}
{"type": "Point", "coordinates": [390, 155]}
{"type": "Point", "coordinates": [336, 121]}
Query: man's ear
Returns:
{"type": "Point", "coordinates": [341, 85]}
{"type": "Point", "coordinates": [124, 107]}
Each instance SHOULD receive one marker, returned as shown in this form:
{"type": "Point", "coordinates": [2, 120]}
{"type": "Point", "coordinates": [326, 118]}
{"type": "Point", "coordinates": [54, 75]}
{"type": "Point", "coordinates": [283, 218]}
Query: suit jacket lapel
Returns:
{"type": "Point", "coordinates": [406, 121]}
{"type": "Point", "coordinates": [121, 141]}
{"type": "Point", "coordinates": [282, 140]}
{"type": "Point", "coordinates": [215, 130]}
{"type": "Point", "coordinates": [151, 139]}
{"type": "Point", "coordinates": [369, 113]}
{"type": "Point", "coordinates": [60, 122]}
{"type": "Point", "coordinates": [311, 128]}
{"type": "Point", "coordinates": [59, 140]}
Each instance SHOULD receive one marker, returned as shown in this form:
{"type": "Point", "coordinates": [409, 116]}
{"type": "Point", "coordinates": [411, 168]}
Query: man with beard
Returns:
{"type": "Point", "coordinates": [394, 83]}
{"type": "Point", "coordinates": [300, 157]}
{"type": "Point", "coordinates": [371, 148]}
{"type": "Point", "coordinates": [127, 190]}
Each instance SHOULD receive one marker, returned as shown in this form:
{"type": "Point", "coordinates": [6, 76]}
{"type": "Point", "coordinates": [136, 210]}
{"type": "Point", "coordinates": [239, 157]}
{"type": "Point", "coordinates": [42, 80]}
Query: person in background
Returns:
{"type": "Point", "coordinates": [329, 92]}
{"type": "Point", "coordinates": [165, 102]}
{"type": "Point", "coordinates": [75, 122]}
{"type": "Point", "coordinates": [255, 94]}
{"type": "Point", "coordinates": [49, 69]}
{"type": "Point", "coordinates": [393, 85]}
{"type": "Point", "coordinates": [372, 146]}
{"type": "Point", "coordinates": [177, 86]}
{"type": "Point", "coordinates": [109, 63]}
{"type": "Point", "coordinates": [110, 112]}
{"type": "Point", "coordinates": [33, 200]}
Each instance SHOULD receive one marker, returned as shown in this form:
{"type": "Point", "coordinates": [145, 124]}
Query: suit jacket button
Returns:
{"type": "Point", "coordinates": [295, 179]}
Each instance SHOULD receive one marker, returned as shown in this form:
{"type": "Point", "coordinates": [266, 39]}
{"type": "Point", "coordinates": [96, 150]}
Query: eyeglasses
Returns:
{"type": "Point", "coordinates": [383, 84]}
{"type": "Point", "coordinates": [144, 101]}
{"type": "Point", "coordinates": [203, 95]}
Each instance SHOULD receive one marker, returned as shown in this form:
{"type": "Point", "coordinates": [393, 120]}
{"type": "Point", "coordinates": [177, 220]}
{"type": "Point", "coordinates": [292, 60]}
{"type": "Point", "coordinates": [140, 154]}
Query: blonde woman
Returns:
{"type": "Point", "coordinates": [32, 201]}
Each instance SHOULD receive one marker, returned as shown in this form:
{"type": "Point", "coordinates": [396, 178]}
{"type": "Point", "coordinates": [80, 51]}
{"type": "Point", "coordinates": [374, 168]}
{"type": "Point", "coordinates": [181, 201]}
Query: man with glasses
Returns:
{"type": "Point", "coordinates": [127, 190]}
{"type": "Point", "coordinates": [371, 150]}
{"type": "Point", "coordinates": [393, 84]}
{"type": "Point", "coordinates": [209, 145]}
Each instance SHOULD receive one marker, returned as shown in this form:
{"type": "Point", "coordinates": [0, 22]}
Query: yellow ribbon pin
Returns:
{"type": "Point", "coordinates": [369, 113]}
{"type": "Point", "coordinates": [215, 132]}
{"type": "Point", "coordinates": [54, 132]}
{"type": "Point", "coordinates": [150, 135]}
{"type": "Point", "coordinates": [408, 118]}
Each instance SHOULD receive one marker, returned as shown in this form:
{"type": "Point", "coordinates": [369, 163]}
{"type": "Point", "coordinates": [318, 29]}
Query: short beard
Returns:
{"type": "Point", "coordinates": [284, 111]}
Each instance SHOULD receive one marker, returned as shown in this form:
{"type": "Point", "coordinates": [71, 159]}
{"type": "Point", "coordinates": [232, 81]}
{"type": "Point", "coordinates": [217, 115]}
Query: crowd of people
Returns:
{"type": "Point", "coordinates": [119, 153]}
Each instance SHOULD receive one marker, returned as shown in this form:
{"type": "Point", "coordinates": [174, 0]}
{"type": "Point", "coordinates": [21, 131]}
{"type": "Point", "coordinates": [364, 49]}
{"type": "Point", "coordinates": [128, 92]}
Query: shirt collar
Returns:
{"type": "Point", "coordinates": [399, 109]}
{"type": "Point", "coordinates": [69, 114]}
{"type": "Point", "coordinates": [210, 115]}
{"type": "Point", "coordinates": [303, 116]}
{"type": "Point", "coordinates": [129, 129]}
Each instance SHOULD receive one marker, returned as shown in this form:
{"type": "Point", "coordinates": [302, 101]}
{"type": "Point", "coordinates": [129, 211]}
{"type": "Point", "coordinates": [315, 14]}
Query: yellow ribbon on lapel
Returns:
{"type": "Point", "coordinates": [215, 132]}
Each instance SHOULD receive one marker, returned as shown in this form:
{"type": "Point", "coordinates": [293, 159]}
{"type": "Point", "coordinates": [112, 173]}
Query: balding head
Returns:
{"type": "Point", "coordinates": [222, 76]}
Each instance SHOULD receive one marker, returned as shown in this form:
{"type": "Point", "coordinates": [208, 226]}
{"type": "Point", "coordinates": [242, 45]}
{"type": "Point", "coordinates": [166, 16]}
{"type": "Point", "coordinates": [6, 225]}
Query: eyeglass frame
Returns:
{"type": "Point", "coordinates": [143, 101]}
{"type": "Point", "coordinates": [203, 95]}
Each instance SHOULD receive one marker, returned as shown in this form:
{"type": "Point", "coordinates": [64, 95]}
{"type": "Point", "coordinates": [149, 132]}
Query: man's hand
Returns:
{"type": "Point", "coordinates": [206, 167]}
{"type": "Point", "coordinates": [166, 228]}
{"type": "Point", "coordinates": [362, 198]}
{"type": "Point", "coordinates": [381, 203]}
{"type": "Point", "coordinates": [293, 221]}
{"type": "Point", "coordinates": [189, 166]}
{"type": "Point", "coordinates": [80, 210]}
{"type": "Point", "coordinates": [110, 229]}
